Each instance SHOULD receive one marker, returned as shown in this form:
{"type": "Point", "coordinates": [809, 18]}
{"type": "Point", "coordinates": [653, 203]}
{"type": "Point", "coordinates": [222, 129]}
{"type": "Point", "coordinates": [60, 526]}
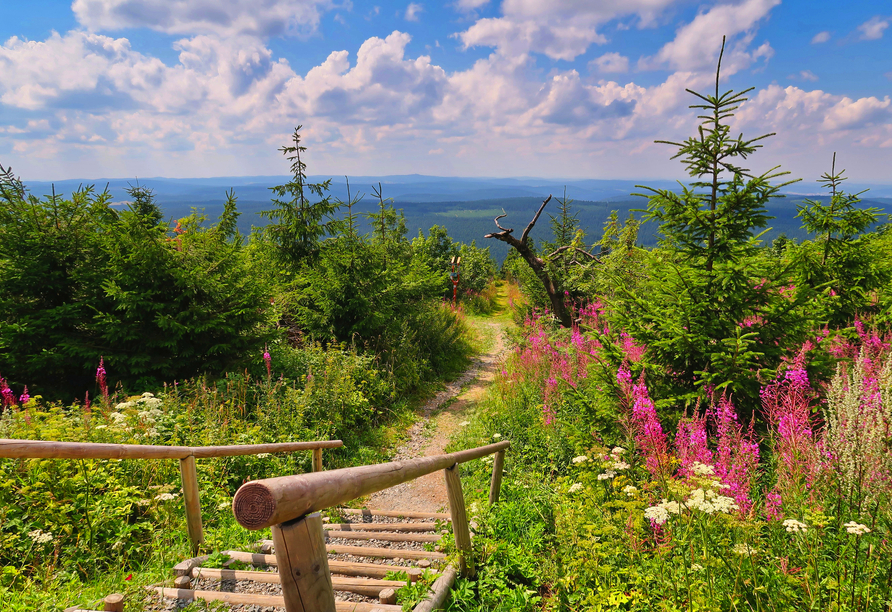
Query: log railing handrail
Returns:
{"type": "Point", "coordinates": [47, 449]}
{"type": "Point", "coordinates": [264, 503]}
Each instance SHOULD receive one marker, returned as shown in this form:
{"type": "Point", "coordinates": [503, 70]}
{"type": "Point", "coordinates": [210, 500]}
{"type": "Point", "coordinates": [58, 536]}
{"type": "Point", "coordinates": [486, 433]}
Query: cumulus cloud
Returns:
{"type": "Point", "coordinates": [873, 28]}
{"type": "Point", "coordinates": [263, 18]}
{"type": "Point", "coordinates": [610, 62]}
{"type": "Point", "coordinates": [820, 37]}
{"type": "Point", "coordinates": [470, 5]}
{"type": "Point", "coordinates": [804, 75]}
{"type": "Point", "coordinates": [696, 44]}
{"type": "Point", "coordinates": [413, 11]}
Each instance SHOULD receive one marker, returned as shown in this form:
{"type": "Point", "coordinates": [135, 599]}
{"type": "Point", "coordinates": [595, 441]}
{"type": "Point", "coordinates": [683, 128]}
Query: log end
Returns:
{"type": "Point", "coordinates": [253, 506]}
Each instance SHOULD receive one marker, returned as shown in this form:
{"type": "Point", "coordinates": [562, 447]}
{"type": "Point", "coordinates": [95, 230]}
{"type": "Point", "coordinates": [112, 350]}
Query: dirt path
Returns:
{"type": "Point", "coordinates": [430, 435]}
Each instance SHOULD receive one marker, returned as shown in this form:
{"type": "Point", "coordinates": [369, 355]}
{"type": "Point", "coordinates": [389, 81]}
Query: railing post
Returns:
{"type": "Point", "coordinates": [459, 520]}
{"type": "Point", "coordinates": [303, 565]}
{"type": "Point", "coordinates": [498, 466]}
{"type": "Point", "coordinates": [317, 459]}
{"type": "Point", "coordinates": [191, 498]}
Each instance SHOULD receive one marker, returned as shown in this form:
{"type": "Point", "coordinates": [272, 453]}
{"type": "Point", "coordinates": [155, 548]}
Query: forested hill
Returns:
{"type": "Point", "coordinates": [466, 207]}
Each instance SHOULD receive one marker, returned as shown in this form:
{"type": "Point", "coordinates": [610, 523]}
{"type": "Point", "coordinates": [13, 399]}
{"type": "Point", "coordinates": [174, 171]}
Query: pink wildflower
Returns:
{"type": "Point", "coordinates": [737, 459]}
{"type": "Point", "coordinates": [101, 379]}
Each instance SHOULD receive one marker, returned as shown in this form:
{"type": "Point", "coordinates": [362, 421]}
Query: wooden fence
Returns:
{"type": "Point", "coordinates": [43, 449]}
{"type": "Point", "coordinates": [290, 505]}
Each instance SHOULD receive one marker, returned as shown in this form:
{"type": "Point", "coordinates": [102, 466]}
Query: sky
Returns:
{"type": "Point", "coordinates": [517, 88]}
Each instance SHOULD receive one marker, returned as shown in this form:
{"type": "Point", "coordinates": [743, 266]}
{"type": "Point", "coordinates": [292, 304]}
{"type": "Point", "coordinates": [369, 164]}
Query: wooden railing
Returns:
{"type": "Point", "coordinates": [45, 449]}
{"type": "Point", "coordinates": [290, 505]}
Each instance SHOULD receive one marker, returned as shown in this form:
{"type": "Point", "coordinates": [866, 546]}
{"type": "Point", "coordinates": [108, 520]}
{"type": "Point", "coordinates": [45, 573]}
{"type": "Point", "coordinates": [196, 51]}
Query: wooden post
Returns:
{"type": "Point", "coordinates": [498, 466]}
{"type": "Point", "coordinates": [303, 565]}
{"type": "Point", "coordinates": [459, 520]}
{"type": "Point", "coordinates": [113, 603]}
{"type": "Point", "coordinates": [317, 459]}
{"type": "Point", "coordinates": [193, 502]}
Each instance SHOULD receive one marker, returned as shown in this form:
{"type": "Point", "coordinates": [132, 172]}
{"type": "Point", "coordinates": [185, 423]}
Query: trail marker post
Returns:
{"type": "Point", "coordinates": [455, 276]}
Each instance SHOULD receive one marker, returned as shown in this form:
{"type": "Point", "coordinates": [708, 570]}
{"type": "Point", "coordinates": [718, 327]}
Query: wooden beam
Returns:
{"type": "Point", "coordinates": [385, 537]}
{"type": "Point", "coordinates": [381, 526]}
{"type": "Point", "coordinates": [439, 592]}
{"type": "Point", "coordinates": [498, 466]}
{"type": "Point", "coordinates": [364, 586]}
{"type": "Point", "coordinates": [192, 500]}
{"type": "Point", "coordinates": [48, 449]}
{"type": "Point", "coordinates": [459, 520]}
{"type": "Point", "coordinates": [303, 565]}
{"type": "Point", "coordinates": [347, 568]}
{"type": "Point", "coordinates": [385, 553]}
{"type": "Point", "coordinates": [263, 503]}
{"type": "Point", "coordinates": [317, 459]}
{"type": "Point", "coordinates": [113, 603]}
{"type": "Point", "coordinates": [184, 568]}
{"type": "Point", "coordinates": [396, 513]}
{"type": "Point", "coordinates": [274, 601]}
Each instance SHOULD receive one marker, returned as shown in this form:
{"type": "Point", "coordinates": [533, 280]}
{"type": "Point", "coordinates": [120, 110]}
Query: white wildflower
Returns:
{"type": "Point", "coordinates": [153, 433]}
{"type": "Point", "coordinates": [40, 537]}
{"type": "Point", "coordinates": [701, 469]}
{"type": "Point", "coordinates": [147, 395]}
{"type": "Point", "coordinates": [497, 436]}
{"type": "Point", "coordinates": [672, 507]}
{"type": "Point", "coordinates": [696, 567]}
{"type": "Point", "coordinates": [262, 455]}
{"type": "Point", "coordinates": [100, 427]}
{"type": "Point", "coordinates": [658, 514]}
{"type": "Point", "coordinates": [630, 490]}
{"type": "Point", "coordinates": [124, 405]}
{"type": "Point", "coordinates": [794, 526]}
{"type": "Point", "coordinates": [152, 402]}
{"type": "Point", "coordinates": [621, 465]}
{"type": "Point", "coordinates": [607, 475]}
{"type": "Point", "coordinates": [464, 423]}
{"type": "Point", "coordinates": [576, 487]}
{"type": "Point", "coordinates": [618, 450]}
{"type": "Point", "coordinates": [856, 528]}
{"type": "Point", "coordinates": [166, 496]}
{"type": "Point", "coordinates": [224, 505]}
{"type": "Point", "coordinates": [118, 418]}
{"type": "Point", "coordinates": [744, 549]}
{"type": "Point", "coordinates": [143, 502]}
{"type": "Point", "coordinates": [580, 459]}
{"type": "Point", "coordinates": [709, 503]}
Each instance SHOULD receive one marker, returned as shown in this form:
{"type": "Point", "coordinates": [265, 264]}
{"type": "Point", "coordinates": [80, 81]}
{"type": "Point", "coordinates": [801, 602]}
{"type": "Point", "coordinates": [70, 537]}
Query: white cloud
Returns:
{"type": "Point", "coordinates": [804, 75]}
{"type": "Point", "coordinates": [412, 11]}
{"type": "Point", "coordinates": [263, 18]}
{"type": "Point", "coordinates": [470, 5]}
{"type": "Point", "coordinates": [697, 44]}
{"type": "Point", "coordinates": [610, 62]}
{"type": "Point", "coordinates": [820, 37]}
{"type": "Point", "coordinates": [873, 28]}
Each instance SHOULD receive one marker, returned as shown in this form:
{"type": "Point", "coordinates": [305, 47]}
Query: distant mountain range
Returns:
{"type": "Point", "coordinates": [465, 206]}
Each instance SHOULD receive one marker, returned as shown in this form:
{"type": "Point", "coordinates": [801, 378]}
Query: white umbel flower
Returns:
{"type": "Point", "coordinates": [576, 487]}
{"type": "Point", "coordinates": [794, 526]}
{"type": "Point", "coordinates": [856, 528]}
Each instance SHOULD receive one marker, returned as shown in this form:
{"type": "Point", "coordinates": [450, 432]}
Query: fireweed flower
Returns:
{"type": "Point", "coordinates": [101, 377]}
{"type": "Point", "coordinates": [24, 398]}
{"type": "Point", "coordinates": [794, 526]}
{"type": "Point", "coordinates": [856, 528]}
{"type": "Point", "coordinates": [268, 360]}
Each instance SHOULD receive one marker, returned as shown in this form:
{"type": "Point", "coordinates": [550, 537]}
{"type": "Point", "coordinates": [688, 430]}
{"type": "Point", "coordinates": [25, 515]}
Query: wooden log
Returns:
{"type": "Point", "coordinates": [387, 596]}
{"type": "Point", "coordinates": [396, 513]}
{"type": "Point", "coordinates": [263, 503]}
{"type": "Point", "coordinates": [317, 459]}
{"type": "Point", "coordinates": [363, 586]}
{"type": "Point", "coordinates": [273, 601]}
{"type": "Point", "coordinates": [303, 565]}
{"type": "Point", "coordinates": [48, 449]}
{"type": "Point", "coordinates": [182, 582]}
{"type": "Point", "coordinates": [184, 568]}
{"type": "Point", "coordinates": [439, 592]}
{"type": "Point", "coordinates": [113, 603]}
{"type": "Point", "coordinates": [498, 466]}
{"type": "Point", "coordinates": [459, 520]}
{"type": "Point", "coordinates": [384, 537]}
{"type": "Point", "coordinates": [385, 553]}
{"type": "Point", "coordinates": [381, 526]}
{"type": "Point", "coordinates": [192, 500]}
{"type": "Point", "coordinates": [347, 568]}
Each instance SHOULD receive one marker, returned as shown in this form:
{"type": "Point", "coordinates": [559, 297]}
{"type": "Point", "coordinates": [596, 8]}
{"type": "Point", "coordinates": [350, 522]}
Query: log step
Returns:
{"type": "Point", "coordinates": [370, 551]}
{"type": "Point", "coordinates": [276, 601]}
{"type": "Point", "coordinates": [363, 586]}
{"type": "Point", "coordinates": [384, 537]}
{"type": "Point", "coordinates": [396, 513]}
{"type": "Point", "coordinates": [346, 568]}
{"type": "Point", "coordinates": [381, 526]}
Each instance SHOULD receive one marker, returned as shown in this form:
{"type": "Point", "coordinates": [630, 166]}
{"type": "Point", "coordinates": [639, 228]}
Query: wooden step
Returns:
{"type": "Point", "coordinates": [395, 513]}
{"type": "Point", "coordinates": [363, 586]}
{"type": "Point", "coordinates": [385, 537]}
{"type": "Point", "coordinates": [371, 551]}
{"type": "Point", "coordinates": [346, 568]}
{"type": "Point", "coordinates": [381, 526]}
{"type": "Point", "coordinates": [276, 601]}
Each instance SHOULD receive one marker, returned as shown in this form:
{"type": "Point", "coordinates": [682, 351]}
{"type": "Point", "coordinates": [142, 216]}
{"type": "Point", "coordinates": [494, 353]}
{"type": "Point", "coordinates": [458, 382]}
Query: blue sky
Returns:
{"type": "Point", "coordinates": [549, 88]}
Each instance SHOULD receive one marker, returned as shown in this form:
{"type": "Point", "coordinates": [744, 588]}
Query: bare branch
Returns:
{"type": "Point", "coordinates": [526, 232]}
{"type": "Point", "coordinates": [576, 249]}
